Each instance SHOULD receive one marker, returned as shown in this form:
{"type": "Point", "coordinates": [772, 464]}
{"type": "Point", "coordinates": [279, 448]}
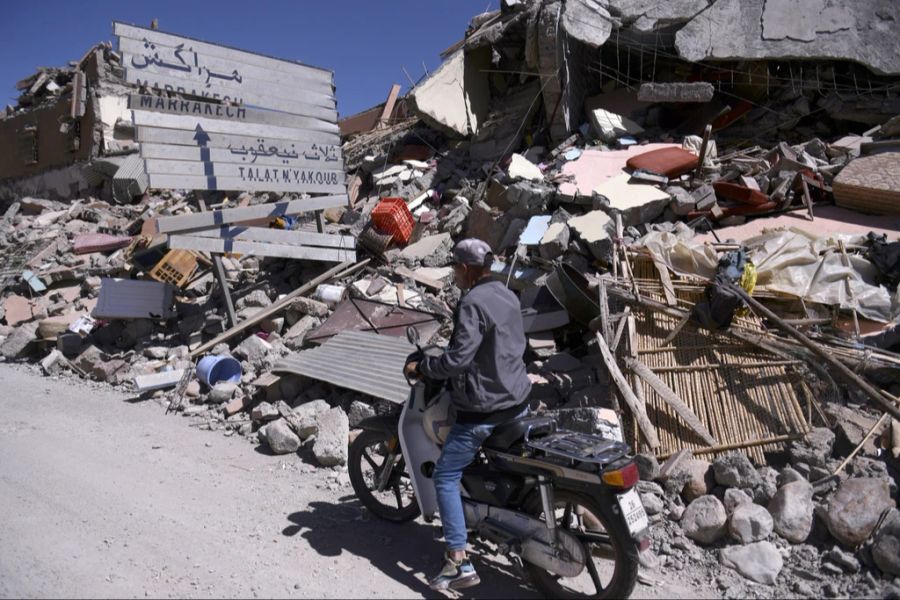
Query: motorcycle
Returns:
{"type": "Point", "coordinates": [559, 505]}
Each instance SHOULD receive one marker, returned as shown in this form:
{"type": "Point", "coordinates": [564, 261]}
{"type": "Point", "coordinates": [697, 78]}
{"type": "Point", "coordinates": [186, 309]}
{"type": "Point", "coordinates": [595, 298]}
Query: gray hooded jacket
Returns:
{"type": "Point", "coordinates": [484, 358]}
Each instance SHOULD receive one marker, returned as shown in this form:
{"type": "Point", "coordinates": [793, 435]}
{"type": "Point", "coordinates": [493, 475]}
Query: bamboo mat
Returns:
{"type": "Point", "coordinates": [748, 398]}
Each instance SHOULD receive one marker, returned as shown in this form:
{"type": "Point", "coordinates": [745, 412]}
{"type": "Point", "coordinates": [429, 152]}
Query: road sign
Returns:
{"type": "Point", "coordinates": [217, 118]}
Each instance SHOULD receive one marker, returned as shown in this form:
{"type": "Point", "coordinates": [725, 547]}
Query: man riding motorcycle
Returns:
{"type": "Point", "coordinates": [490, 386]}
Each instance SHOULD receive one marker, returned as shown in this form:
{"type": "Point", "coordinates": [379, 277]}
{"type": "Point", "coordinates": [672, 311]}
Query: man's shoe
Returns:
{"type": "Point", "coordinates": [455, 575]}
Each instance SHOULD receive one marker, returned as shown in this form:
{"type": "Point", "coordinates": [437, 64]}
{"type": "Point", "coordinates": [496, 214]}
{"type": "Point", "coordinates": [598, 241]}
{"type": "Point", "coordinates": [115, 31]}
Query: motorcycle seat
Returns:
{"type": "Point", "coordinates": [507, 434]}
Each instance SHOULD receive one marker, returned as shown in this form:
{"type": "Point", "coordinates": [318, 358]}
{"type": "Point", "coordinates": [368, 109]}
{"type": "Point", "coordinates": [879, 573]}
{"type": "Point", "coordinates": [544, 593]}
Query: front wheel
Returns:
{"type": "Point", "coordinates": [612, 567]}
{"type": "Point", "coordinates": [379, 479]}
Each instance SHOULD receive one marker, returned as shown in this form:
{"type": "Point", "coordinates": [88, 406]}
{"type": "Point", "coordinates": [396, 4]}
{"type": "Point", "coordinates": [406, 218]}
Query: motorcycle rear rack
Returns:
{"type": "Point", "coordinates": [581, 447]}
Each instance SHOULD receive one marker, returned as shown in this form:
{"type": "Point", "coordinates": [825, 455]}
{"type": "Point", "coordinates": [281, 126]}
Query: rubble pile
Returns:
{"type": "Point", "coordinates": [703, 237]}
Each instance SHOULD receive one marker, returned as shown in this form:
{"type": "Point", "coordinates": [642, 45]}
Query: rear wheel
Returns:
{"type": "Point", "coordinates": [612, 569]}
{"type": "Point", "coordinates": [379, 479]}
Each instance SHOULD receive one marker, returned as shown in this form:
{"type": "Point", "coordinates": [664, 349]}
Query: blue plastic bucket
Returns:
{"type": "Point", "coordinates": [216, 369]}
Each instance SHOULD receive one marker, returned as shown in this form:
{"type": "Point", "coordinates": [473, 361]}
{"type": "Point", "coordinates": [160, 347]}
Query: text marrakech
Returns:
{"type": "Point", "coordinates": [303, 176]}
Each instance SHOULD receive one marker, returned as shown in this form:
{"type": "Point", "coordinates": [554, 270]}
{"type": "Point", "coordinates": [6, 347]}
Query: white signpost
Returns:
{"type": "Point", "coordinates": [209, 117]}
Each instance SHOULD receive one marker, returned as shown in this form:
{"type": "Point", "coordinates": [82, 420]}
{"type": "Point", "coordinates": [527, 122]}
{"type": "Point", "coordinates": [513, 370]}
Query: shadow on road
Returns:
{"type": "Point", "coordinates": [408, 553]}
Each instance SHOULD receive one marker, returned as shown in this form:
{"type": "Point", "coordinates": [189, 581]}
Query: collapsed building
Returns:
{"type": "Point", "coordinates": [697, 203]}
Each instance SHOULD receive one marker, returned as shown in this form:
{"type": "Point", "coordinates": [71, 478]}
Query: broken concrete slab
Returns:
{"type": "Point", "coordinates": [587, 21]}
{"type": "Point", "coordinates": [158, 381]}
{"type": "Point", "coordinates": [428, 247]}
{"type": "Point", "coordinates": [595, 229]}
{"type": "Point", "coordinates": [637, 202]}
{"type": "Point", "coordinates": [522, 168]}
{"type": "Point", "coordinates": [681, 91]}
{"type": "Point", "coordinates": [594, 167]}
{"type": "Point", "coordinates": [609, 126]}
{"type": "Point", "coordinates": [331, 445]}
{"type": "Point", "coordinates": [534, 231]}
{"type": "Point", "coordinates": [774, 29]}
{"type": "Point", "coordinates": [279, 437]}
{"type": "Point", "coordinates": [555, 241]}
{"type": "Point", "coordinates": [16, 344]}
{"type": "Point", "coordinates": [455, 97]}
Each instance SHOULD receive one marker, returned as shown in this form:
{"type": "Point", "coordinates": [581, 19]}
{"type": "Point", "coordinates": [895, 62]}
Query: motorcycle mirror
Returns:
{"type": "Point", "coordinates": [412, 335]}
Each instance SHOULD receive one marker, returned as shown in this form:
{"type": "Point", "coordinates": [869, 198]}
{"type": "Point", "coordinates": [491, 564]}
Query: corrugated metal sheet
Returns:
{"type": "Point", "coordinates": [134, 299]}
{"type": "Point", "coordinates": [356, 360]}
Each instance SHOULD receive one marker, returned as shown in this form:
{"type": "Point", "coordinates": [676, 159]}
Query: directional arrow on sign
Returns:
{"type": "Point", "coordinates": [202, 139]}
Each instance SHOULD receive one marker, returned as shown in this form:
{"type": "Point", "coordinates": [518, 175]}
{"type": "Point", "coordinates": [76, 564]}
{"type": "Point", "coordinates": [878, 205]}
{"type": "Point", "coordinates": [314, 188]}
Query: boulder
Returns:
{"type": "Point", "coordinates": [304, 419]}
{"type": "Point", "coordinates": [768, 485]}
{"type": "Point", "coordinates": [16, 344]}
{"type": "Point", "coordinates": [886, 550]}
{"type": "Point", "coordinates": [310, 307]}
{"type": "Point", "coordinates": [792, 511]}
{"type": "Point", "coordinates": [700, 479]}
{"type": "Point", "coordinates": [704, 520]}
{"type": "Point", "coordinates": [359, 412]}
{"type": "Point", "coordinates": [648, 466]}
{"type": "Point", "coordinates": [856, 508]}
{"type": "Point", "coordinates": [253, 349]}
{"type": "Point", "coordinates": [222, 392]}
{"type": "Point", "coordinates": [750, 523]}
{"type": "Point", "coordinates": [760, 562]}
{"type": "Point", "coordinates": [815, 449]}
{"type": "Point", "coordinates": [331, 446]}
{"type": "Point", "coordinates": [653, 504]}
{"type": "Point", "coordinates": [789, 475]}
{"type": "Point", "coordinates": [264, 412]}
{"type": "Point", "coordinates": [734, 498]}
{"type": "Point", "coordinates": [279, 437]}
{"type": "Point", "coordinates": [735, 470]}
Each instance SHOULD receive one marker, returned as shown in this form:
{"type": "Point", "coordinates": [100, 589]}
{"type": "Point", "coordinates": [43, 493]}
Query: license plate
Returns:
{"type": "Point", "coordinates": [635, 515]}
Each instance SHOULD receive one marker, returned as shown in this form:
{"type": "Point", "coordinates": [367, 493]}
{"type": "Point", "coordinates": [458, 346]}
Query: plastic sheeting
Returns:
{"type": "Point", "coordinates": [791, 262]}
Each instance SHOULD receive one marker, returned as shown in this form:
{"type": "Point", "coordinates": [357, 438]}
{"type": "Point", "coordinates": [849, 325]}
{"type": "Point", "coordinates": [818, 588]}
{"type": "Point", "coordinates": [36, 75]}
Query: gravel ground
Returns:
{"type": "Point", "coordinates": [105, 496]}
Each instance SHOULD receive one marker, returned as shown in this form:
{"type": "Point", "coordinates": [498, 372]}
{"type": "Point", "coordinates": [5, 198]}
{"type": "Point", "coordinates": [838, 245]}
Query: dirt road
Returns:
{"type": "Point", "coordinates": [101, 496]}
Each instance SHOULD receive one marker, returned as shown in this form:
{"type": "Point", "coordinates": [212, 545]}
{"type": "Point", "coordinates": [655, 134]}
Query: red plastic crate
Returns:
{"type": "Point", "coordinates": [392, 217]}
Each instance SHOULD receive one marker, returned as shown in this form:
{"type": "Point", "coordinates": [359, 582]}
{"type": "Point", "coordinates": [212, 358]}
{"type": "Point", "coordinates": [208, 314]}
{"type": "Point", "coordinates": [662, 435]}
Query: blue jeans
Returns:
{"type": "Point", "coordinates": [459, 451]}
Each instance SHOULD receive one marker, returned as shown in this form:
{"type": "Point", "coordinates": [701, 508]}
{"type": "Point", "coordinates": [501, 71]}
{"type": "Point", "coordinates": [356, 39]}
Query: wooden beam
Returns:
{"type": "Point", "coordinates": [246, 213]}
{"type": "Point", "coordinates": [288, 68]}
{"type": "Point", "coordinates": [237, 246]}
{"type": "Point", "coordinates": [637, 411]}
{"type": "Point", "coordinates": [184, 137]}
{"type": "Point", "coordinates": [338, 271]}
{"type": "Point", "coordinates": [816, 349]}
{"type": "Point", "coordinates": [236, 184]}
{"type": "Point", "coordinates": [213, 126]}
{"type": "Point", "coordinates": [666, 393]}
{"type": "Point", "coordinates": [224, 112]}
{"type": "Point", "coordinates": [389, 105]}
{"type": "Point", "coordinates": [244, 156]}
{"type": "Point", "coordinates": [280, 236]}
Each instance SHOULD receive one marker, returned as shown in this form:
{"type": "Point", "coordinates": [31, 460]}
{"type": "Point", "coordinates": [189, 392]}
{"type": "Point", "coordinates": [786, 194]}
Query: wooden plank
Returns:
{"type": "Point", "coordinates": [235, 82]}
{"type": "Point", "coordinates": [338, 271]}
{"type": "Point", "coordinates": [280, 236]}
{"type": "Point", "coordinates": [288, 67]}
{"type": "Point", "coordinates": [236, 184]}
{"type": "Point", "coordinates": [320, 155]}
{"type": "Point", "coordinates": [162, 83]}
{"type": "Point", "coordinates": [166, 55]}
{"type": "Point", "coordinates": [389, 105]}
{"type": "Point", "coordinates": [183, 137]}
{"type": "Point", "coordinates": [637, 410]}
{"type": "Point", "coordinates": [248, 172]}
{"type": "Point", "coordinates": [191, 242]}
{"type": "Point", "coordinates": [226, 112]}
{"type": "Point", "coordinates": [213, 126]}
{"type": "Point", "coordinates": [226, 216]}
{"type": "Point", "coordinates": [666, 393]}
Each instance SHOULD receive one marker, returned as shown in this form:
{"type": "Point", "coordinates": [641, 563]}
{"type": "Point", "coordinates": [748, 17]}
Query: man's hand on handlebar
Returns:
{"type": "Point", "coordinates": [411, 370]}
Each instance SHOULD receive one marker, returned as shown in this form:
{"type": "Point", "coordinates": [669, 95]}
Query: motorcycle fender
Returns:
{"type": "Point", "coordinates": [385, 423]}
